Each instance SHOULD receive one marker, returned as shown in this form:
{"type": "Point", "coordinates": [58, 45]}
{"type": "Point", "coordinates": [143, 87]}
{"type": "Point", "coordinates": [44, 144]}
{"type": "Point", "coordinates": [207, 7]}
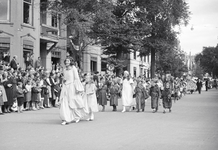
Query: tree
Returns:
{"type": "Point", "coordinates": [208, 60]}
{"type": "Point", "coordinates": [171, 60]}
{"type": "Point", "coordinates": [119, 30]}
{"type": "Point", "coordinates": [162, 16]}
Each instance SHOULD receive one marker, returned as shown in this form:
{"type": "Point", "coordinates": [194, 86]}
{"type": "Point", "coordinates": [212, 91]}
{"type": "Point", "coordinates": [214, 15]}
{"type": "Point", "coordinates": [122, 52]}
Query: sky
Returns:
{"type": "Point", "coordinates": [202, 30]}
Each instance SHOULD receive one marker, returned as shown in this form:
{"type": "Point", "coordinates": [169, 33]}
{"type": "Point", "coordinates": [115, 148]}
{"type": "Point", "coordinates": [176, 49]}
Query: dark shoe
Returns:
{"type": "Point", "coordinates": [164, 111]}
{"type": "Point", "coordinates": [170, 110]}
{"type": "Point", "coordinates": [115, 108]}
{"type": "Point", "coordinates": [143, 110]}
{"type": "Point", "coordinates": [1, 113]}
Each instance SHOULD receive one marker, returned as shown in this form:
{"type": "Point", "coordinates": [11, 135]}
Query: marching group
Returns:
{"type": "Point", "coordinates": [78, 95]}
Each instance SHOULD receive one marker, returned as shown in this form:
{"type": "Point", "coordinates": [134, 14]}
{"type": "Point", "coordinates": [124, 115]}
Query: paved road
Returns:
{"type": "Point", "coordinates": [192, 125]}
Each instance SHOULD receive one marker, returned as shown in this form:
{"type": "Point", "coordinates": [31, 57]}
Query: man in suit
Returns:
{"type": "Point", "coordinates": [199, 85]}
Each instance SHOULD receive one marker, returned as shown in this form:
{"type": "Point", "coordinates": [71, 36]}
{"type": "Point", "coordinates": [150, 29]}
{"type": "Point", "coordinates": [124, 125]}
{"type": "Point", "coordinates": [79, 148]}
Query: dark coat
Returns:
{"type": "Point", "coordinates": [114, 95]}
{"type": "Point", "coordinates": [13, 64]}
{"type": "Point", "coordinates": [155, 95]}
{"type": "Point", "coordinates": [199, 85]}
{"type": "Point", "coordinates": [9, 92]}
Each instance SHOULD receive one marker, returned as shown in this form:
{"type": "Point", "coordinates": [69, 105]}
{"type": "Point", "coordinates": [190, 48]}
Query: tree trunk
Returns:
{"type": "Point", "coordinates": [119, 70]}
{"type": "Point", "coordinates": [153, 52]}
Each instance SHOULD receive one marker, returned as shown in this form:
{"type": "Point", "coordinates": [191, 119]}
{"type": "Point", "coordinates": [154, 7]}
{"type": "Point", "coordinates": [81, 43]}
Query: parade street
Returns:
{"type": "Point", "coordinates": [192, 125]}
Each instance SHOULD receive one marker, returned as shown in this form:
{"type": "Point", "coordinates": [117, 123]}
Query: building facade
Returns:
{"type": "Point", "coordinates": [132, 62]}
{"type": "Point", "coordinates": [138, 65]}
{"type": "Point", "coordinates": [28, 28]}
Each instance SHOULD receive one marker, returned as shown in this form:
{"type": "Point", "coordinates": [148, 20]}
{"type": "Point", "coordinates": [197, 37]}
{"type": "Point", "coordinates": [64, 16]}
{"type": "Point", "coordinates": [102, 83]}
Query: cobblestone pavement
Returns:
{"type": "Point", "coordinates": [192, 125]}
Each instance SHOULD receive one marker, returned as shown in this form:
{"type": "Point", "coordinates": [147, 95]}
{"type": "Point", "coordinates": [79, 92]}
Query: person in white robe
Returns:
{"type": "Point", "coordinates": [90, 91]}
{"type": "Point", "coordinates": [72, 106]}
{"type": "Point", "coordinates": [127, 92]}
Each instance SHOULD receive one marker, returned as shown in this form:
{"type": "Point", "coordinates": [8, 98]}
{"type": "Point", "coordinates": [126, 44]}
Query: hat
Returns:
{"type": "Point", "coordinates": [126, 72]}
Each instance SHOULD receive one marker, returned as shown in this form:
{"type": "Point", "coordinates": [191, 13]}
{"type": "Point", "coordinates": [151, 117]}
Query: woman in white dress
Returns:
{"type": "Point", "coordinates": [127, 92]}
{"type": "Point", "coordinates": [72, 105]}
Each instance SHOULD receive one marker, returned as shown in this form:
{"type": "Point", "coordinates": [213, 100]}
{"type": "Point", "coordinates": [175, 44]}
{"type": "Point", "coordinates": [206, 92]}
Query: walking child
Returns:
{"type": "Point", "coordinates": [140, 94]}
{"type": "Point", "coordinates": [114, 94]}
{"type": "Point", "coordinates": [90, 90]}
{"type": "Point", "coordinates": [155, 96]}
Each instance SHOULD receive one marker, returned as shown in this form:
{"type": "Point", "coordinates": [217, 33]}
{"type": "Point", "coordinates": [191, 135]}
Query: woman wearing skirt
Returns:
{"type": "Point", "coordinates": [72, 105]}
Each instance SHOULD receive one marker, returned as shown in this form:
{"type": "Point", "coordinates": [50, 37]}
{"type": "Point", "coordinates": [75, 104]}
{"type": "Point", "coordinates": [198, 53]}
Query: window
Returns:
{"type": "Point", "coordinates": [93, 66]}
{"type": "Point", "coordinates": [134, 71]}
{"type": "Point", "coordinates": [54, 20]}
{"type": "Point", "coordinates": [4, 10]}
{"type": "Point", "coordinates": [5, 49]}
{"type": "Point", "coordinates": [27, 12]}
{"type": "Point", "coordinates": [103, 64]}
{"type": "Point", "coordinates": [134, 57]}
{"type": "Point", "coordinates": [43, 11]}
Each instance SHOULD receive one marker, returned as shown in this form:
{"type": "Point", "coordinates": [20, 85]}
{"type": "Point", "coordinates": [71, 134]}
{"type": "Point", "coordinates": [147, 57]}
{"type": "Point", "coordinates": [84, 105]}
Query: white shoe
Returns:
{"type": "Point", "coordinates": [123, 111]}
{"type": "Point", "coordinates": [92, 117]}
{"type": "Point", "coordinates": [64, 123]}
{"type": "Point", "coordinates": [77, 120]}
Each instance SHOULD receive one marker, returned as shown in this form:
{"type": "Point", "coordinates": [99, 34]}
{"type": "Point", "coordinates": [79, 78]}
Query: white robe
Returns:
{"type": "Point", "coordinates": [127, 93]}
{"type": "Point", "coordinates": [73, 106]}
{"type": "Point", "coordinates": [91, 97]}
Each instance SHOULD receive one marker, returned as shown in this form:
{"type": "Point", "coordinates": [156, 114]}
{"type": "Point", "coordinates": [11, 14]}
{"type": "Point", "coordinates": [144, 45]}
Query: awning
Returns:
{"type": "Point", "coordinates": [5, 40]}
{"type": "Point", "coordinates": [27, 44]}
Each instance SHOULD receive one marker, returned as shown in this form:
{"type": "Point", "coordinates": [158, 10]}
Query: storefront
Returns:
{"type": "Point", "coordinates": [28, 52]}
{"type": "Point", "coordinates": [5, 49]}
{"type": "Point", "coordinates": [56, 59]}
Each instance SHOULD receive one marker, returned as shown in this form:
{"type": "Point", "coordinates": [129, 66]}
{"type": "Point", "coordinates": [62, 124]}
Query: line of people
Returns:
{"type": "Point", "coordinates": [78, 96]}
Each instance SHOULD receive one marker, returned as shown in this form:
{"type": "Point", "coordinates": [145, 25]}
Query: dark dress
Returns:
{"type": "Point", "coordinates": [36, 94]}
{"type": "Point", "coordinates": [114, 95]}
{"type": "Point", "coordinates": [155, 95]}
{"type": "Point", "coordinates": [102, 97]}
{"type": "Point", "coordinates": [9, 92]}
{"type": "Point", "coordinates": [167, 101]}
{"type": "Point", "coordinates": [140, 96]}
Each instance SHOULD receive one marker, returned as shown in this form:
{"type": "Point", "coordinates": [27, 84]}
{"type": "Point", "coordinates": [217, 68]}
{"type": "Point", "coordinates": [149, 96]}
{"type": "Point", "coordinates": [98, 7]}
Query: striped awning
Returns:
{"type": "Point", "coordinates": [5, 40]}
